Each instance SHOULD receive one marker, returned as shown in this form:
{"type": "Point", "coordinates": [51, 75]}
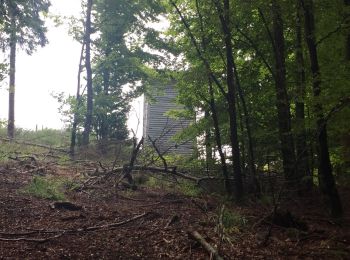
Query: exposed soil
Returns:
{"type": "Point", "coordinates": [158, 225]}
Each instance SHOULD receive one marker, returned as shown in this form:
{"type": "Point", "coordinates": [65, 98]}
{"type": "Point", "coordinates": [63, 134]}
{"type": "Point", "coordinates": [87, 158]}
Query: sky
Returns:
{"type": "Point", "coordinates": [52, 69]}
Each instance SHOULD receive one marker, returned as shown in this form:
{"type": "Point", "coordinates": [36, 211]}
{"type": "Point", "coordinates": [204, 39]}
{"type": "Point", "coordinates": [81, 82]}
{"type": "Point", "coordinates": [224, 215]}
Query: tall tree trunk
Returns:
{"type": "Point", "coordinates": [214, 115]}
{"type": "Point", "coordinates": [302, 160]}
{"type": "Point", "coordinates": [326, 178]}
{"type": "Point", "coordinates": [283, 103]}
{"type": "Point", "coordinates": [12, 75]}
{"type": "Point", "coordinates": [106, 80]}
{"type": "Point", "coordinates": [217, 134]}
{"type": "Point", "coordinates": [208, 144]}
{"type": "Point", "coordinates": [347, 3]}
{"type": "Point", "coordinates": [212, 77]}
{"type": "Point", "coordinates": [225, 24]}
{"type": "Point", "coordinates": [88, 119]}
{"type": "Point", "coordinates": [251, 155]}
{"type": "Point", "coordinates": [78, 103]}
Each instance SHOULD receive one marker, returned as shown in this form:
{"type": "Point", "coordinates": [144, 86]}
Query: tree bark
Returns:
{"type": "Point", "coordinates": [251, 155]}
{"type": "Point", "coordinates": [78, 102]}
{"type": "Point", "coordinates": [207, 142]}
{"type": "Point", "coordinates": [224, 16]}
{"type": "Point", "coordinates": [347, 3]}
{"type": "Point", "coordinates": [106, 80]}
{"type": "Point", "coordinates": [282, 102]}
{"type": "Point", "coordinates": [304, 173]}
{"type": "Point", "coordinates": [12, 75]}
{"type": "Point", "coordinates": [217, 134]}
{"type": "Point", "coordinates": [326, 178]}
{"type": "Point", "coordinates": [88, 119]}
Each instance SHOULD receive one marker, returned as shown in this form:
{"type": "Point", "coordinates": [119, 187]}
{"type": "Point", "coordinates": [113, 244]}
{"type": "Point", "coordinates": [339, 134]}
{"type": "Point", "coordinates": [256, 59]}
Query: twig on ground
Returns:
{"type": "Point", "coordinates": [37, 240]}
{"type": "Point", "coordinates": [60, 233]}
{"type": "Point", "coordinates": [211, 250]}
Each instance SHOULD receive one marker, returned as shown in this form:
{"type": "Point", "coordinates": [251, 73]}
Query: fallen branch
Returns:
{"type": "Point", "coordinates": [113, 225]}
{"type": "Point", "coordinates": [64, 232]}
{"type": "Point", "coordinates": [211, 250]}
{"type": "Point", "coordinates": [160, 202]}
{"type": "Point", "coordinates": [37, 240]}
{"type": "Point", "coordinates": [170, 170]}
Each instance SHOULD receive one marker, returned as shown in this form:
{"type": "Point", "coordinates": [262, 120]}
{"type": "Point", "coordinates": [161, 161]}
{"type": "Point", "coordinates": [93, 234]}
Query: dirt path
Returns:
{"type": "Point", "coordinates": [160, 230]}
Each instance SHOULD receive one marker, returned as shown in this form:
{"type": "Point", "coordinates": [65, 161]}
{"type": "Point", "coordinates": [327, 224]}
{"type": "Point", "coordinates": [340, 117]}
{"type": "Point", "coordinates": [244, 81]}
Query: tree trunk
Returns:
{"type": "Point", "coordinates": [347, 3]}
{"type": "Point", "coordinates": [225, 23]}
{"type": "Point", "coordinates": [88, 119]}
{"type": "Point", "coordinates": [283, 104]}
{"type": "Point", "coordinates": [304, 173]}
{"type": "Point", "coordinates": [208, 144]}
{"type": "Point", "coordinates": [78, 103]}
{"type": "Point", "coordinates": [214, 113]}
{"type": "Point", "coordinates": [12, 75]}
{"type": "Point", "coordinates": [326, 178]}
{"type": "Point", "coordinates": [106, 80]}
{"type": "Point", "coordinates": [251, 155]}
{"type": "Point", "coordinates": [217, 134]}
{"type": "Point", "coordinates": [208, 130]}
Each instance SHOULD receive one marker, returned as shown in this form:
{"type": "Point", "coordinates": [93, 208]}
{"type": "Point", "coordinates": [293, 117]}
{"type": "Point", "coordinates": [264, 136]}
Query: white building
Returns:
{"type": "Point", "coordinates": [160, 127]}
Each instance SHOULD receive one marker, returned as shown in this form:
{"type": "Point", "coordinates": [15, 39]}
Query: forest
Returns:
{"type": "Point", "coordinates": [264, 89]}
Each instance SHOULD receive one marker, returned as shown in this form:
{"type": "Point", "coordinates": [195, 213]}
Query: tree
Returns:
{"type": "Point", "coordinates": [326, 178]}
{"type": "Point", "coordinates": [89, 87]}
{"type": "Point", "coordinates": [23, 25]}
{"type": "Point", "coordinates": [302, 159]}
{"type": "Point", "coordinates": [224, 16]}
{"type": "Point", "coordinates": [117, 62]}
{"type": "Point", "coordinates": [283, 103]}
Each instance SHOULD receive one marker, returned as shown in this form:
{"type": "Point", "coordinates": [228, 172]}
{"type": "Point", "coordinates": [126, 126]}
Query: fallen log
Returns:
{"type": "Point", "coordinates": [211, 250]}
{"type": "Point", "coordinates": [158, 170]}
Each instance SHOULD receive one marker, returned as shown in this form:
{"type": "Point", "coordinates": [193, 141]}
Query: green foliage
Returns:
{"type": "Point", "coordinates": [29, 19]}
{"type": "Point", "coordinates": [188, 188]}
{"type": "Point", "coordinates": [46, 187]}
{"type": "Point", "coordinates": [185, 187]}
{"type": "Point", "coordinates": [121, 66]}
{"type": "Point", "coordinates": [3, 71]}
{"type": "Point", "coordinates": [232, 220]}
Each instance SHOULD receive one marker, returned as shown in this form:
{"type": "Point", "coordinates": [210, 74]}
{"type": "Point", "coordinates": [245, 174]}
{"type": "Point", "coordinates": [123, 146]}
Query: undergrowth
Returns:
{"type": "Point", "coordinates": [48, 187]}
{"type": "Point", "coordinates": [185, 187]}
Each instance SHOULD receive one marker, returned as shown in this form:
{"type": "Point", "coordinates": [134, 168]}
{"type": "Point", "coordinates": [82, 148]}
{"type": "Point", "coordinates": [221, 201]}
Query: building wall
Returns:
{"type": "Point", "coordinates": [160, 127]}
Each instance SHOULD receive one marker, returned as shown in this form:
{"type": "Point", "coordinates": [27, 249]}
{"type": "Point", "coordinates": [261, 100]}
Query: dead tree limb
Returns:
{"type": "Point", "coordinates": [153, 142]}
{"type": "Point", "coordinates": [211, 250]}
{"type": "Point", "coordinates": [127, 169]}
{"type": "Point", "coordinates": [60, 233]}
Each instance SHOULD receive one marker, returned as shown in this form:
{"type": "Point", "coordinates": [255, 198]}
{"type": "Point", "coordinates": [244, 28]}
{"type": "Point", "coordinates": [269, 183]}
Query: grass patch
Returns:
{"type": "Point", "coordinates": [189, 189]}
{"type": "Point", "coordinates": [185, 187]}
{"type": "Point", "coordinates": [231, 220]}
{"type": "Point", "coordinates": [47, 188]}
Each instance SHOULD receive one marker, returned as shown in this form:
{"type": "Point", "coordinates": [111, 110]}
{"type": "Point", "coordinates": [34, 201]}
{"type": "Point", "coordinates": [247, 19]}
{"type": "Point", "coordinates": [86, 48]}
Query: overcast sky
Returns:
{"type": "Point", "coordinates": [50, 69]}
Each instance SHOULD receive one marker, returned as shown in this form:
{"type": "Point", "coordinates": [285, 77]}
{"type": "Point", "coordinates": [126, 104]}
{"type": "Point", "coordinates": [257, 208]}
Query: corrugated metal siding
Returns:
{"type": "Point", "coordinates": [160, 127]}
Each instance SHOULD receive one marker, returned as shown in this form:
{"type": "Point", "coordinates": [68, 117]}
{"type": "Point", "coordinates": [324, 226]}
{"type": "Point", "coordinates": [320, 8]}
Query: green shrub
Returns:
{"type": "Point", "coordinates": [232, 219]}
{"type": "Point", "coordinates": [189, 188]}
{"type": "Point", "coordinates": [47, 188]}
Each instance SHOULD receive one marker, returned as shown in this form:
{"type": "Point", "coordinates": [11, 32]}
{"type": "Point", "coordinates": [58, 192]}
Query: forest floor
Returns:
{"type": "Point", "coordinates": [154, 223]}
